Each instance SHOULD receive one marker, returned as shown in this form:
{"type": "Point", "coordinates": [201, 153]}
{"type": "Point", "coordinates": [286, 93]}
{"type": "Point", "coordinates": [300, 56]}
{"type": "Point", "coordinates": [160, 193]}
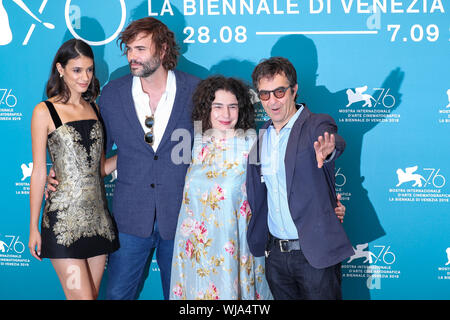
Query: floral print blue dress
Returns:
{"type": "Point", "coordinates": [211, 258]}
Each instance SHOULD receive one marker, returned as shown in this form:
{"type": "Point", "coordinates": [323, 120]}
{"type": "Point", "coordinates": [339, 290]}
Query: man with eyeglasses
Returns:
{"type": "Point", "coordinates": [291, 191]}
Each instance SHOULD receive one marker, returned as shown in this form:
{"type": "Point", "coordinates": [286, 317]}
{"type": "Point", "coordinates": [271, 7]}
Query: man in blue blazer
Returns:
{"type": "Point", "coordinates": [145, 114]}
{"type": "Point", "coordinates": [290, 188]}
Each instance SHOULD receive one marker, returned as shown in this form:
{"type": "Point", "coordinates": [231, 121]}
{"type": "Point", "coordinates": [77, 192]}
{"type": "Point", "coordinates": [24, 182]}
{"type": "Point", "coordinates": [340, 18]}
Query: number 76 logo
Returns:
{"type": "Point", "coordinates": [15, 245]}
{"type": "Point", "coordinates": [7, 98]}
{"type": "Point", "coordinates": [384, 98]}
{"type": "Point", "coordinates": [383, 253]}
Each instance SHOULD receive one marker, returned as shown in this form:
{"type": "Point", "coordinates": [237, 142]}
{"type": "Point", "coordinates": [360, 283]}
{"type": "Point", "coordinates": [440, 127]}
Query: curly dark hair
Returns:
{"type": "Point", "coordinates": [204, 95]}
{"type": "Point", "coordinates": [56, 86]}
{"type": "Point", "coordinates": [162, 38]}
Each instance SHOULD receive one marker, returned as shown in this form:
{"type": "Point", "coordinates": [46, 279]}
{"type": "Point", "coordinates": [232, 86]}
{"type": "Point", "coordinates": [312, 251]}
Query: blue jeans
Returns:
{"type": "Point", "coordinates": [291, 277]}
{"type": "Point", "coordinates": [127, 265]}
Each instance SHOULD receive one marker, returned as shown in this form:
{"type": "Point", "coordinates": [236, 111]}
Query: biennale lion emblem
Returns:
{"type": "Point", "coordinates": [360, 253]}
{"type": "Point", "coordinates": [359, 95]}
{"type": "Point", "coordinates": [409, 175]}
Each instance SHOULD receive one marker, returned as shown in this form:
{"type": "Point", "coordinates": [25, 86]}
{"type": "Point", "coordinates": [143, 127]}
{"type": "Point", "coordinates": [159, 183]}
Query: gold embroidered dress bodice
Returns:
{"type": "Point", "coordinates": [76, 222]}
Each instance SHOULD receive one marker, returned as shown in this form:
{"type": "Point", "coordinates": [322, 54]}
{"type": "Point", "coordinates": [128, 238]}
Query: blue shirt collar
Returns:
{"type": "Point", "coordinates": [294, 118]}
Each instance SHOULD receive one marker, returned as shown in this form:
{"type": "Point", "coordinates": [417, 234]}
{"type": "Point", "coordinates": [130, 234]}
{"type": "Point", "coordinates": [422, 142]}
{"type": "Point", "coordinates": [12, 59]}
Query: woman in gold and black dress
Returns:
{"type": "Point", "coordinates": [77, 231]}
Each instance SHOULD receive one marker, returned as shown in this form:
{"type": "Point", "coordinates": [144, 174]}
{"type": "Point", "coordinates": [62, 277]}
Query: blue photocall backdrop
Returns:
{"type": "Point", "coordinates": [379, 67]}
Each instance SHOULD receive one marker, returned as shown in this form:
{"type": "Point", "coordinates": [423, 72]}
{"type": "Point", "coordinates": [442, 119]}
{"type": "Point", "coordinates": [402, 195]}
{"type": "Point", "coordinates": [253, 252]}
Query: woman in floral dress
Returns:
{"type": "Point", "coordinates": [211, 257]}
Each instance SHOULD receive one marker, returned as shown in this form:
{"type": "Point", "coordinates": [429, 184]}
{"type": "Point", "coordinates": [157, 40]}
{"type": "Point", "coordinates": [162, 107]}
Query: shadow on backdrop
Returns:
{"type": "Point", "coordinates": [361, 221]}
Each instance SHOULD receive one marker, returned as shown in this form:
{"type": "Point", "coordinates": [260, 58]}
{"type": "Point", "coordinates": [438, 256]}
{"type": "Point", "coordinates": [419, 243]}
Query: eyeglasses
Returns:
{"type": "Point", "coordinates": [149, 122]}
{"type": "Point", "coordinates": [279, 93]}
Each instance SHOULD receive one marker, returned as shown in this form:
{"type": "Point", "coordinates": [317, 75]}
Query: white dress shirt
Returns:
{"type": "Point", "coordinates": [163, 110]}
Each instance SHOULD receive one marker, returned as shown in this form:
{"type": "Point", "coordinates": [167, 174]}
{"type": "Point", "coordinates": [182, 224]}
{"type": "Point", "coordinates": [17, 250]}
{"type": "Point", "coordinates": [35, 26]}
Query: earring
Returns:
{"type": "Point", "coordinates": [60, 75]}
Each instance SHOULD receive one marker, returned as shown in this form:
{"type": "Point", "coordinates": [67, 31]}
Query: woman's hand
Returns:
{"type": "Point", "coordinates": [34, 244]}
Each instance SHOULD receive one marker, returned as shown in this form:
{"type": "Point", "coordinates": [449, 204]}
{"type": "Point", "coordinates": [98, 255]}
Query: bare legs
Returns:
{"type": "Point", "coordinates": [80, 278]}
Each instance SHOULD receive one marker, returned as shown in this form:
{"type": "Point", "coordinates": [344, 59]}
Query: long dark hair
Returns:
{"type": "Point", "coordinates": [205, 94]}
{"type": "Point", "coordinates": [56, 86]}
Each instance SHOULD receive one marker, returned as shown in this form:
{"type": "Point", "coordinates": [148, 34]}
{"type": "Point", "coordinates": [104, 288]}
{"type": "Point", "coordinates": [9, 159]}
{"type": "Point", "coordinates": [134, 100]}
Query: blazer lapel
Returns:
{"type": "Point", "coordinates": [129, 108]}
{"type": "Point", "coordinates": [178, 107]}
{"type": "Point", "coordinates": [254, 156]}
{"type": "Point", "coordinates": [292, 146]}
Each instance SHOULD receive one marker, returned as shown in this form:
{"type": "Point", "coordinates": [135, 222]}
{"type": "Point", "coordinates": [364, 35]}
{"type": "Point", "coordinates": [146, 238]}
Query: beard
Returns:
{"type": "Point", "coordinates": [148, 67]}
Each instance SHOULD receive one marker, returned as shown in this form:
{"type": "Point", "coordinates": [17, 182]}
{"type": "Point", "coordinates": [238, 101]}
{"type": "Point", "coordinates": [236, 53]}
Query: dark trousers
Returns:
{"type": "Point", "coordinates": [291, 277]}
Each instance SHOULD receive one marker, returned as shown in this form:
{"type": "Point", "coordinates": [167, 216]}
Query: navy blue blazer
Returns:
{"type": "Point", "coordinates": [311, 194]}
{"type": "Point", "coordinates": [149, 184]}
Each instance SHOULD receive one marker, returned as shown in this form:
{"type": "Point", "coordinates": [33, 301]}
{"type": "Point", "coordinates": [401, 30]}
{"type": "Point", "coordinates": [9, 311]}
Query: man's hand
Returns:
{"type": "Point", "coordinates": [51, 183]}
{"type": "Point", "coordinates": [324, 146]}
{"type": "Point", "coordinates": [340, 209]}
